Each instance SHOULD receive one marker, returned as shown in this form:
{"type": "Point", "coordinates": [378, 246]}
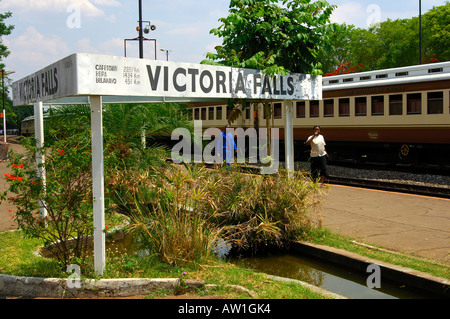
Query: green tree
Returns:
{"type": "Point", "coordinates": [14, 116]}
{"type": "Point", "coordinates": [436, 32]}
{"type": "Point", "coordinates": [4, 30]}
{"type": "Point", "coordinates": [392, 43]}
{"type": "Point", "coordinates": [274, 36]}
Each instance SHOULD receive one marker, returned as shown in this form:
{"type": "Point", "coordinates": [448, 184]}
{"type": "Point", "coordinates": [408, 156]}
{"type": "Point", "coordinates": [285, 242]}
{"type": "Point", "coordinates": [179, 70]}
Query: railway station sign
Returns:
{"type": "Point", "coordinates": [89, 74]}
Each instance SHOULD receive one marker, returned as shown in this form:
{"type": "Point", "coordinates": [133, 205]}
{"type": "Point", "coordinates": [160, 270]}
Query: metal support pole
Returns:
{"type": "Point", "coordinates": [141, 37]}
{"type": "Point", "coordinates": [98, 189]}
{"type": "Point", "coordinates": [420, 31]}
{"type": "Point", "coordinates": [40, 157]}
{"type": "Point", "coordinates": [289, 137]}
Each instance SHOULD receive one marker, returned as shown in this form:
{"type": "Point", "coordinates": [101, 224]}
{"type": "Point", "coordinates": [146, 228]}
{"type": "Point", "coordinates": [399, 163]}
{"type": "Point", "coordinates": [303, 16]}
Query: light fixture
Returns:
{"type": "Point", "coordinates": [149, 27]}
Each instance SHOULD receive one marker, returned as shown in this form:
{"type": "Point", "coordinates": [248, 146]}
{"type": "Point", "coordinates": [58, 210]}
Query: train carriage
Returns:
{"type": "Point", "coordinates": [399, 115]}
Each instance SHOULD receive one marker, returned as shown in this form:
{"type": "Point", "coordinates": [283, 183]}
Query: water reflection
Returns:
{"type": "Point", "coordinates": [328, 276]}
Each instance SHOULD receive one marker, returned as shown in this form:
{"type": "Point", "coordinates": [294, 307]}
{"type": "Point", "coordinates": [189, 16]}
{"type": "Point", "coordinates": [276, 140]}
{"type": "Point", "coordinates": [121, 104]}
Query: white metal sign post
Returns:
{"type": "Point", "coordinates": [98, 183]}
{"type": "Point", "coordinates": [97, 79]}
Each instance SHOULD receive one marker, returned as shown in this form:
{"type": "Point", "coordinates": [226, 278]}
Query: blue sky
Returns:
{"type": "Point", "coordinates": [48, 30]}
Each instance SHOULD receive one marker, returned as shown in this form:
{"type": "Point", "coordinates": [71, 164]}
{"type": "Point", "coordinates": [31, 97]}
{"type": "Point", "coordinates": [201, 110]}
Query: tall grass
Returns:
{"type": "Point", "coordinates": [182, 211]}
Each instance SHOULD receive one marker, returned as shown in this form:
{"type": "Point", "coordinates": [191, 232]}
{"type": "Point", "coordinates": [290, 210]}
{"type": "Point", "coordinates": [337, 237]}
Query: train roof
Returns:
{"type": "Point", "coordinates": [401, 75]}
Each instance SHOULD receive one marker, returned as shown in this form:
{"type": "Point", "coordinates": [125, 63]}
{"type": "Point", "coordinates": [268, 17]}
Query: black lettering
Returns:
{"type": "Point", "coordinates": [153, 79]}
{"type": "Point", "coordinates": [179, 88]}
{"type": "Point", "coordinates": [211, 83]}
{"type": "Point", "coordinates": [166, 78]}
{"type": "Point", "coordinates": [290, 82]}
{"type": "Point", "coordinates": [220, 79]}
{"type": "Point", "coordinates": [194, 73]}
{"type": "Point", "coordinates": [283, 91]}
{"type": "Point", "coordinates": [275, 90]}
{"type": "Point", "coordinates": [240, 86]}
{"type": "Point", "coordinates": [256, 83]}
{"type": "Point", "coordinates": [266, 86]}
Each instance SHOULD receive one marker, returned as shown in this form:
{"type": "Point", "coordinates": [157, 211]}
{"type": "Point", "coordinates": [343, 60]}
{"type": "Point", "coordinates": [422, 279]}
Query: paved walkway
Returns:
{"type": "Point", "coordinates": [395, 221]}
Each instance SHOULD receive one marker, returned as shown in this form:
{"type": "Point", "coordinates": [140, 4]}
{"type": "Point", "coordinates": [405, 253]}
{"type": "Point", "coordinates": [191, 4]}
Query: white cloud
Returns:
{"type": "Point", "coordinates": [350, 13]}
{"type": "Point", "coordinates": [32, 51]}
{"type": "Point", "coordinates": [32, 47]}
{"type": "Point", "coordinates": [113, 46]}
{"type": "Point", "coordinates": [31, 6]}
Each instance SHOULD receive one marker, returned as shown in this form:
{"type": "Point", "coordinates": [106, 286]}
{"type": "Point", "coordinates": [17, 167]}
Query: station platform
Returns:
{"type": "Point", "coordinates": [404, 223]}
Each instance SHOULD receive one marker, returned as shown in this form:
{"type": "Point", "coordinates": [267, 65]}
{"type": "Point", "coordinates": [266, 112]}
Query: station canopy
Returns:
{"type": "Point", "coordinates": [131, 80]}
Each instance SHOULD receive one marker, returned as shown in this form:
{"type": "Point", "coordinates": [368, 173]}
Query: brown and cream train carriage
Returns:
{"type": "Point", "coordinates": [399, 115]}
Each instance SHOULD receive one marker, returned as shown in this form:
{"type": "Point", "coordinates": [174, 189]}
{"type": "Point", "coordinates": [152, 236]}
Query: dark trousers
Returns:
{"type": "Point", "coordinates": [319, 166]}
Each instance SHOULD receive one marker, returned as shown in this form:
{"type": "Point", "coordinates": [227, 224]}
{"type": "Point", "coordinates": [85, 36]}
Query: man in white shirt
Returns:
{"type": "Point", "coordinates": [318, 155]}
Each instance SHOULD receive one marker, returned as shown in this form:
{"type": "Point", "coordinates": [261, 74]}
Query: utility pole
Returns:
{"type": "Point", "coordinates": [420, 31]}
{"type": "Point", "coordinates": [141, 36]}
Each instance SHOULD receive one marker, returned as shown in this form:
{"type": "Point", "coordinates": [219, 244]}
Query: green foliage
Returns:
{"type": "Point", "coordinates": [391, 43]}
{"type": "Point", "coordinates": [66, 197]}
{"type": "Point", "coordinates": [4, 30]}
{"type": "Point", "coordinates": [274, 36]}
{"type": "Point", "coordinates": [182, 212]}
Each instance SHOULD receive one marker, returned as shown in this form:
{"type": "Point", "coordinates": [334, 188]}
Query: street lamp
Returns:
{"type": "Point", "coordinates": [167, 53]}
{"type": "Point", "coordinates": [3, 92]}
{"type": "Point", "coordinates": [147, 29]}
{"type": "Point", "coordinates": [420, 31]}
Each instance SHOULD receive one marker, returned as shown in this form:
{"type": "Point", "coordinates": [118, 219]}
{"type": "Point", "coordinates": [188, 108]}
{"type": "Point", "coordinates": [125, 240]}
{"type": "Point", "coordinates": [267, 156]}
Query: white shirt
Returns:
{"type": "Point", "coordinates": [317, 146]}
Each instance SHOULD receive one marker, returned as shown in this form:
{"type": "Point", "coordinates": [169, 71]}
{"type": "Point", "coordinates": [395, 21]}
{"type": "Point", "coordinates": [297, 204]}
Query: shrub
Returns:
{"type": "Point", "coordinates": [183, 212]}
{"type": "Point", "coordinates": [66, 197]}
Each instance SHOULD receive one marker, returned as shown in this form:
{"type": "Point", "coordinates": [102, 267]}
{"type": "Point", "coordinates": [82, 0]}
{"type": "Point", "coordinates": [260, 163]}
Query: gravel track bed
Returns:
{"type": "Point", "coordinates": [391, 176]}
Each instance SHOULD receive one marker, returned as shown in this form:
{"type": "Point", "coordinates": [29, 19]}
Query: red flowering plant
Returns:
{"type": "Point", "coordinates": [66, 196]}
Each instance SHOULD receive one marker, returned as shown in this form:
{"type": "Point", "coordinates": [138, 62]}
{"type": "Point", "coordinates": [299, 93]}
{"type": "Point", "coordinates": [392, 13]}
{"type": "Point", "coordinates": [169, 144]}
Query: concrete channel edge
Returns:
{"type": "Point", "coordinates": [410, 277]}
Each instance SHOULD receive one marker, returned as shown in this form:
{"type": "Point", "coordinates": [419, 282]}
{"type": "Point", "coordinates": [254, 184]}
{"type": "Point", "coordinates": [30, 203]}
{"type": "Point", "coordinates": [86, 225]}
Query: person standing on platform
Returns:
{"type": "Point", "coordinates": [226, 146]}
{"type": "Point", "coordinates": [318, 155]}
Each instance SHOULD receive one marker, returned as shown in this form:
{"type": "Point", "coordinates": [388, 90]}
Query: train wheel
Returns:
{"type": "Point", "coordinates": [404, 150]}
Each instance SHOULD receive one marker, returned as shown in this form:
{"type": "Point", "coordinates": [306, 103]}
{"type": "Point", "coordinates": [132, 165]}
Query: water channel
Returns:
{"type": "Point", "coordinates": [329, 276]}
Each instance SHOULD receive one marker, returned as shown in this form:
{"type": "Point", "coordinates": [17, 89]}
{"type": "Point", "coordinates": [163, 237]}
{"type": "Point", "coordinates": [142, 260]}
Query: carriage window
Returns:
{"type": "Point", "coordinates": [218, 113]}
{"type": "Point", "coordinates": [301, 113]}
{"type": "Point", "coordinates": [435, 103]}
{"type": "Point", "coordinates": [344, 107]}
{"type": "Point", "coordinates": [314, 109]}
{"type": "Point", "coordinates": [203, 114]}
{"type": "Point", "coordinates": [377, 105]}
{"type": "Point", "coordinates": [395, 104]}
{"type": "Point", "coordinates": [361, 106]}
{"type": "Point", "coordinates": [247, 113]}
{"type": "Point", "coordinates": [211, 113]}
{"type": "Point", "coordinates": [277, 110]}
{"type": "Point", "coordinates": [197, 114]}
{"type": "Point", "coordinates": [328, 108]}
{"type": "Point", "coordinates": [414, 103]}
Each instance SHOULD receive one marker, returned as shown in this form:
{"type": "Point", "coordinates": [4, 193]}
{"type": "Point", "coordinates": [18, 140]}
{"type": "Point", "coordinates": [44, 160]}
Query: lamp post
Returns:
{"type": "Point", "coordinates": [167, 53]}
{"type": "Point", "coordinates": [420, 31]}
{"type": "Point", "coordinates": [141, 36]}
{"type": "Point", "coordinates": [147, 29]}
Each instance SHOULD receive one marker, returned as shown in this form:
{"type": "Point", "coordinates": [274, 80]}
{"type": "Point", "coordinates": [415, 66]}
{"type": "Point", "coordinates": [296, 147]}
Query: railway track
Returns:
{"type": "Point", "coordinates": [391, 186]}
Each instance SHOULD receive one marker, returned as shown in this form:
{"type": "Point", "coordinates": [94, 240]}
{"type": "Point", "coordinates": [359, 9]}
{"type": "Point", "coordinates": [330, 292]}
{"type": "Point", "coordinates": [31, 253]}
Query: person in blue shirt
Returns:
{"type": "Point", "coordinates": [226, 145]}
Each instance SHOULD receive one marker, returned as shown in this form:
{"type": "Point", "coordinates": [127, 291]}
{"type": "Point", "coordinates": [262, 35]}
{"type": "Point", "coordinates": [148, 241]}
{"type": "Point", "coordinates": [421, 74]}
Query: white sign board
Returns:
{"type": "Point", "coordinates": [89, 74]}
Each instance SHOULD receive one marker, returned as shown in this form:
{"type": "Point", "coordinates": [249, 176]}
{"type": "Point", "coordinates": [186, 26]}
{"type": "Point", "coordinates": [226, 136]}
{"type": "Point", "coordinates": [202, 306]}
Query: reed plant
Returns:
{"type": "Point", "coordinates": [182, 213]}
